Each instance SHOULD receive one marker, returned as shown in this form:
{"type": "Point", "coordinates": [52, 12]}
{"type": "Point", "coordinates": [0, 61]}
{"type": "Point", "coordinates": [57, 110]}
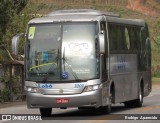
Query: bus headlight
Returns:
{"type": "Point", "coordinates": [92, 88]}
{"type": "Point", "coordinates": [31, 89]}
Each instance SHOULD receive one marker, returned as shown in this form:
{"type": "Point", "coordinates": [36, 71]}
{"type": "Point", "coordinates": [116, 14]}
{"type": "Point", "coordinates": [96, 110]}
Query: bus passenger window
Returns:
{"type": "Point", "coordinates": [127, 39]}
{"type": "Point", "coordinates": [112, 37]}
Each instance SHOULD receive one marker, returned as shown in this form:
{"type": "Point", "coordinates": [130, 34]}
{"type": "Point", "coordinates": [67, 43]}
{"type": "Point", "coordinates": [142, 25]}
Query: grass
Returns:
{"type": "Point", "coordinates": [155, 80]}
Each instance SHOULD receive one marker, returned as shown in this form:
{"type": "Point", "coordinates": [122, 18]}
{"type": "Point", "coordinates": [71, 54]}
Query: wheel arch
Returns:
{"type": "Point", "coordinates": [141, 85]}
{"type": "Point", "coordinates": [112, 90]}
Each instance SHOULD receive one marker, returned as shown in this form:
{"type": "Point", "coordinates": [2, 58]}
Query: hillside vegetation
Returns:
{"type": "Point", "coordinates": [149, 10]}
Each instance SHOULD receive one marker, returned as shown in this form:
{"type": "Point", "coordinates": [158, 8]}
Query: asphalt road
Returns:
{"type": "Point", "coordinates": [151, 108]}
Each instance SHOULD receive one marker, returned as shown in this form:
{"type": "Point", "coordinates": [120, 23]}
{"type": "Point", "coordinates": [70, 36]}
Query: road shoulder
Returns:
{"type": "Point", "coordinates": [10, 104]}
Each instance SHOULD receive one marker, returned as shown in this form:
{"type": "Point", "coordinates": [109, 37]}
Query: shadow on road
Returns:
{"type": "Point", "coordinates": [86, 114]}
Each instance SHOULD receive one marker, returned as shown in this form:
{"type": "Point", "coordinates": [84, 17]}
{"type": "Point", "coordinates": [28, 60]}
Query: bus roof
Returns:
{"type": "Point", "coordinates": [82, 12]}
{"type": "Point", "coordinates": [85, 15]}
{"type": "Point", "coordinates": [138, 22]}
{"type": "Point", "coordinates": [65, 18]}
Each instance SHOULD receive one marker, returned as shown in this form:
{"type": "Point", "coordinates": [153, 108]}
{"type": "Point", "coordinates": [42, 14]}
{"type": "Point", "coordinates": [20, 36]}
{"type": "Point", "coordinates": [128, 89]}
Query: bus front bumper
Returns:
{"type": "Point", "coordinates": [85, 99]}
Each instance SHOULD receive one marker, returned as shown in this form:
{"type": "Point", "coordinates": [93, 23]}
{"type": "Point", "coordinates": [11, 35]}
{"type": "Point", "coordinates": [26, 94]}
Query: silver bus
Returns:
{"type": "Point", "coordinates": [85, 58]}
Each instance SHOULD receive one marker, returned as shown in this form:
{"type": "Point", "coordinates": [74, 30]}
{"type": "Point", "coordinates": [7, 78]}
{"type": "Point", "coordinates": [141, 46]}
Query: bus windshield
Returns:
{"type": "Point", "coordinates": [62, 52]}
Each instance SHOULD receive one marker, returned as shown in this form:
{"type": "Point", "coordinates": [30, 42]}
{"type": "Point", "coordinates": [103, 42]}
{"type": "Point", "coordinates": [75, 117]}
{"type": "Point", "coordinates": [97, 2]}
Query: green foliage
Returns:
{"type": "Point", "coordinates": [156, 74]}
{"type": "Point", "coordinates": [158, 37]}
{"type": "Point", "coordinates": [155, 80]}
{"type": "Point", "coordinates": [11, 21]}
{"type": "Point", "coordinates": [5, 95]}
{"type": "Point", "coordinates": [156, 48]}
{"type": "Point", "coordinates": [5, 9]}
{"type": "Point", "coordinates": [4, 79]}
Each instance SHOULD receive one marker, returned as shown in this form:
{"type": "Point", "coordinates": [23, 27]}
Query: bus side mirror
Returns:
{"type": "Point", "coordinates": [15, 42]}
{"type": "Point", "coordinates": [101, 43]}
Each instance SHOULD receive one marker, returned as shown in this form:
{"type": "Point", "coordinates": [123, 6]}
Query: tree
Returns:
{"type": "Point", "coordinates": [8, 9]}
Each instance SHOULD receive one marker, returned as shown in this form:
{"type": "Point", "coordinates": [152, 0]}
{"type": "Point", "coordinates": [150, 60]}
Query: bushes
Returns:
{"type": "Point", "coordinates": [12, 88]}
{"type": "Point", "coordinates": [4, 95]}
{"type": "Point", "coordinates": [11, 20]}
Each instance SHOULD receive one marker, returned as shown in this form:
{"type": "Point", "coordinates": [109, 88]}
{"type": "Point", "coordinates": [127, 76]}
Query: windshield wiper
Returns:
{"type": "Point", "coordinates": [64, 63]}
{"type": "Point", "coordinates": [47, 73]}
{"type": "Point", "coordinates": [70, 69]}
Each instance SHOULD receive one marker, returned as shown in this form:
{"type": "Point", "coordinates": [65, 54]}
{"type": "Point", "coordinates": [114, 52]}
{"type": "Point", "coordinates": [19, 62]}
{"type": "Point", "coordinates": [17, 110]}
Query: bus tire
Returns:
{"type": "Point", "coordinates": [138, 102]}
{"type": "Point", "coordinates": [46, 112]}
{"type": "Point", "coordinates": [107, 109]}
{"type": "Point", "coordinates": [135, 103]}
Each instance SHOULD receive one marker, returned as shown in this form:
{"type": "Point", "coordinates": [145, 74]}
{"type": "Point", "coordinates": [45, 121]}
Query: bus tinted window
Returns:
{"type": "Point", "coordinates": [124, 37]}
{"type": "Point", "coordinates": [134, 34]}
{"type": "Point", "coordinates": [117, 37]}
{"type": "Point", "coordinates": [127, 39]}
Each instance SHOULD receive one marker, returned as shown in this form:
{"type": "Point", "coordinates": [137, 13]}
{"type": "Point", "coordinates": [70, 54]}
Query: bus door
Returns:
{"type": "Point", "coordinates": [146, 56]}
{"type": "Point", "coordinates": [104, 65]}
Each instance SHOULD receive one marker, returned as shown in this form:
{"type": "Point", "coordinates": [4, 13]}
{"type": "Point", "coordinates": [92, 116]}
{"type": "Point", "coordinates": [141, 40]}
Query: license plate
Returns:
{"type": "Point", "coordinates": [62, 101]}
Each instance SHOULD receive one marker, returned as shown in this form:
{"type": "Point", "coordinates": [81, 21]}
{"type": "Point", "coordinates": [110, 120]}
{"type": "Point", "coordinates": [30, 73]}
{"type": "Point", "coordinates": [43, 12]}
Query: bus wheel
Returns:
{"type": "Point", "coordinates": [46, 112]}
{"type": "Point", "coordinates": [138, 102]}
{"type": "Point", "coordinates": [107, 109]}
